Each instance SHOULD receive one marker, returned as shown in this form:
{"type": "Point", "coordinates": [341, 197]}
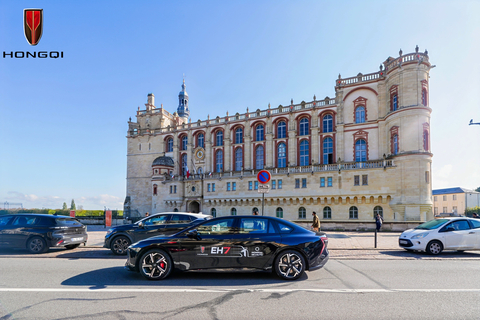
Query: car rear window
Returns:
{"type": "Point", "coordinates": [67, 222]}
{"type": "Point", "coordinates": [284, 228]}
{"type": "Point", "coordinates": [475, 223]}
{"type": "Point", "coordinates": [5, 220]}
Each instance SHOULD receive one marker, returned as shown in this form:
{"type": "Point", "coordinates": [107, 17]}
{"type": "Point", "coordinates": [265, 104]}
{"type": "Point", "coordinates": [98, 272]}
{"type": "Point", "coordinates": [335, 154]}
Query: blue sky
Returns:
{"type": "Point", "coordinates": [64, 121]}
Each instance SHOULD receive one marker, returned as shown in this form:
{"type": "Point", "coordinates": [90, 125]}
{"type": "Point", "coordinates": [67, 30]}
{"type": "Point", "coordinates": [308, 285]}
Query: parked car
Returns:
{"type": "Point", "coordinates": [120, 237]}
{"type": "Point", "coordinates": [434, 236]}
{"type": "Point", "coordinates": [257, 242]}
{"type": "Point", "coordinates": [38, 232]}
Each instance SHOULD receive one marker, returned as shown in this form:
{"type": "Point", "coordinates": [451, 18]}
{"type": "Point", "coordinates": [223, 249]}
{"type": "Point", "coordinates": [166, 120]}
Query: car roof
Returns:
{"type": "Point", "coordinates": [199, 215]}
{"type": "Point", "coordinates": [35, 215]}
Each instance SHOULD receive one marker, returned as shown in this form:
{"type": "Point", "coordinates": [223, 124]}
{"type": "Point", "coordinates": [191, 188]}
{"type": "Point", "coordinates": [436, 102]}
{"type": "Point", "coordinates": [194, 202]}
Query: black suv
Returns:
{"type": "Point", "coordinates": [119, 238]}
{"type": "Point", "coordinates": [38, 232]}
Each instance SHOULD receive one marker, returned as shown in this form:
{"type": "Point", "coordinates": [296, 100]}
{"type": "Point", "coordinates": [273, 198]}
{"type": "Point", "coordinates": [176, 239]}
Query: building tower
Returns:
{"type": "Point", "coordinates": [182, 109]}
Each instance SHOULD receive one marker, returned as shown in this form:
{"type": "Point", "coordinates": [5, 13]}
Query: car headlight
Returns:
{"type": "Point", "coordinates": [420, 235]}
{"type": "Point", "coordinates": [109, 231]}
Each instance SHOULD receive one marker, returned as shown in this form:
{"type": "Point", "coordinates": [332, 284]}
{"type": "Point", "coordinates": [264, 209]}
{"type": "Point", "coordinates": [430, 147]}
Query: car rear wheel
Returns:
{"type": "Point", "coordinates": [434, 247]}
{"type": "Point", "coordinates": [119, 245]}
{"type": "Point", "coordinates": [155, 265]}
{"type": "Point", "coordinates": [289, 265]}
{"type": "Point", "coordinates": [72, 246]}
{"type": "Point", "coordinates": [36, 245]}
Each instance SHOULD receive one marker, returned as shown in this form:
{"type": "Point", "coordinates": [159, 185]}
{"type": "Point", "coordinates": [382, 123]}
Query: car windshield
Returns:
{"type": "Point", "coordinates": [432, 224]}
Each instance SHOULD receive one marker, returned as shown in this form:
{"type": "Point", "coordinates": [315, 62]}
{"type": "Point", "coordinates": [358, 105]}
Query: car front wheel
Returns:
{"type": "Point", "coordinates": [434, 247]}
{"type": "Point", "coordinates": [120, 245]}
{"type": "Point", "coordinates": [289, 265]}
{"type": "Point", "coordinates": [155, 265]}
{"type": "Point", "coordinates": [36, 245]}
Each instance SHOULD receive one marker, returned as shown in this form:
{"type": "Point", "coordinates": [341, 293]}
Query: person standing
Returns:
{"type": "Point", "coordinates": [255, 212]}
{"type": "Point", "coordinates": [475, 215]}
{"type": "Point", "coordinates": [147, 214]}
{"type": "Point", "coordinates": [378, 221]}
{"type": "Point", "coordinates": [315, 222]}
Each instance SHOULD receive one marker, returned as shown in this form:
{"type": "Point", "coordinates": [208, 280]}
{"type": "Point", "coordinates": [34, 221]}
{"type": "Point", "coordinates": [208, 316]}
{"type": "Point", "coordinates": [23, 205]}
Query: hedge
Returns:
{"type": "Point", "coordinates": [61, 212]}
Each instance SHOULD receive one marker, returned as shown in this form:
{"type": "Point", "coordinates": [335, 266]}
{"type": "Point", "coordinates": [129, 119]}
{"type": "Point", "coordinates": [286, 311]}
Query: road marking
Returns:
{"type": "Point", "coordinates": [133, 290]}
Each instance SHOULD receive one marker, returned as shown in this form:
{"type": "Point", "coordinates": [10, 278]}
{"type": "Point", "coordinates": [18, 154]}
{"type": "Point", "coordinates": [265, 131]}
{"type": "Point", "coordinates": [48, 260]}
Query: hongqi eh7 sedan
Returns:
{"type": "Point", "coordinates": [257, 242]}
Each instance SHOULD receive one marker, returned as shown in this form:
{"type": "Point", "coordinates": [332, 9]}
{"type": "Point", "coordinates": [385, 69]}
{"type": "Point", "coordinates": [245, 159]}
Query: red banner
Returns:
{"type": "Point", "coordinates": [72, 213]}
{"type": "Point", "coordinates": [108, 218]}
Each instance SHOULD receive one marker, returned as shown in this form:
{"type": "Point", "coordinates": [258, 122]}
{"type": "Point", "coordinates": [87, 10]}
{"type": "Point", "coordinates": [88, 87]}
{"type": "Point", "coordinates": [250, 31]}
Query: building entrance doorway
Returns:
{"type": "Point", "coordinates": [194, 207]}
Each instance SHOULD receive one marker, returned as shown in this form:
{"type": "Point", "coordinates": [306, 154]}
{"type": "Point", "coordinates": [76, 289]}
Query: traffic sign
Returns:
{"type": "Point", "coordinates": [263, 176]}
{"type": "Point", "coordinates": [263, 188]}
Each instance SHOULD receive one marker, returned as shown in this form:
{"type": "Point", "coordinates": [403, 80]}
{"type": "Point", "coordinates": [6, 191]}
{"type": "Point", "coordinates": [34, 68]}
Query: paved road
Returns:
{"type": "Point", "coordinates": [43, 288]}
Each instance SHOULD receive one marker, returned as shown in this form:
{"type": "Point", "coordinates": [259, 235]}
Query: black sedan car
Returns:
{"type": "Point", "coordinates": [256, 242]}
{"type": "Point", "coordinates": [38, 232]}
{"type": "Point", "coordinates": [120, 237]}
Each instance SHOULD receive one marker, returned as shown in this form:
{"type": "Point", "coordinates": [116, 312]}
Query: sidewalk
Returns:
{"type": "Point", "coordinates": [337, 240]}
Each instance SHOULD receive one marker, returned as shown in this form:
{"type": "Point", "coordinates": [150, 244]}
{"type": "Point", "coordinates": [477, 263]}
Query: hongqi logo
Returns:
{"type": "Point", "coordinates": [33, 25]}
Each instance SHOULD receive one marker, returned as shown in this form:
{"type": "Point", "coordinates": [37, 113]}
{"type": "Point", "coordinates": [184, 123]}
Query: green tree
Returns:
{"type": "Point", "coordinates": [65, 206]}
{"type": "Point", "coordinates": [73, 206]}
{"type": "Point", "coordinates": [478, 189]}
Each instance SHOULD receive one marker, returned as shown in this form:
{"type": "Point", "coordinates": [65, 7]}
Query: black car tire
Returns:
{"type": "Point", "coordinates": [119, 245]}
{"type": "Point", "coordinates": [434, 247]}
{"type": "Point", "coordinates": [155, 264]}
{"type": "Point", "coordinates": [36, 245]}
{"type": "Point", "coordinates": [72, 246]}
{"type": "Point", "coordinates": [289, 265]}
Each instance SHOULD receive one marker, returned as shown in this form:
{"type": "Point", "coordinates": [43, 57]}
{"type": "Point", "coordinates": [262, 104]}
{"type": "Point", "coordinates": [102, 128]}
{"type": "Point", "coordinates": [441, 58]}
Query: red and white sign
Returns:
{"type": "Point", "coordinates": [263, 176]}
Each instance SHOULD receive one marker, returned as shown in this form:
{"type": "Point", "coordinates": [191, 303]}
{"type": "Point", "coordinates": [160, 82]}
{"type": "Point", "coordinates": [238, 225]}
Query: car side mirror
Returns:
{"type": "Point", "coordinates": [141, 224]}
{"type": "Point", "coordinates": [193, 234]}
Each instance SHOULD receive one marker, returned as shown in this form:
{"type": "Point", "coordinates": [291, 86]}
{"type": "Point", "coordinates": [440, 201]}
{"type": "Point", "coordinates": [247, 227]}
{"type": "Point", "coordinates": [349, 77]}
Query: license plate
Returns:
{"type": "Point", "coordinates": [77, 239]}
{"type": "Point", "coordinates": [404, 241]}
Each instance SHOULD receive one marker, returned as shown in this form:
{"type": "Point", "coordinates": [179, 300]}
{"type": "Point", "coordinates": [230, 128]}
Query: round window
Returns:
{"type": "Point", "coordinates": [193, 189]}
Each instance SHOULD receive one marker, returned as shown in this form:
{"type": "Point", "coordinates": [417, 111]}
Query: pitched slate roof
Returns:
{"type": "Point", "coordinates": [451, 190]}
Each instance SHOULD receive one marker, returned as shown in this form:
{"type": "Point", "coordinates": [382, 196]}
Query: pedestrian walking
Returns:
{"type": "Point", "coordinates": [315, 222]}
{"type": "Point", "coordinates": [378, 221]}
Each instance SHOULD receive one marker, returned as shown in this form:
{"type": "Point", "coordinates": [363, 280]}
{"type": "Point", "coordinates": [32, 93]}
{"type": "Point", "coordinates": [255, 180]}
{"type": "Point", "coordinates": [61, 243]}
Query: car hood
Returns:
{"type": "Point", "coordinates": [124, 227]}
{"type": "Point", "coordinates": [411, 232]}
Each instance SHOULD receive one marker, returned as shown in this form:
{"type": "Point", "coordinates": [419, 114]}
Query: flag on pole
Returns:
{"type": "Point", "coordinates": [188, 171]}
{"type": "Point", "coordinates": [210, 174]}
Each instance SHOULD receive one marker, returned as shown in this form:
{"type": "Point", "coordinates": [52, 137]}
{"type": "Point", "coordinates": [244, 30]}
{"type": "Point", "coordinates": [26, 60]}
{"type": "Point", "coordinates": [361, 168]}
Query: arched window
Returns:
{"type": "Point", "coordinates": [395, 144]}
{"type": "Point", "coordinates": [238, 159]}
{"type": "Point", "coordinates": [233, 212]}
{"type": "Point", "coordinates": [279, 213]}
{"type": "Point", "coordinates": [281, 130]}
{"type": "Point", "coordinates": [259, 133]}
{"type": "Point", "coordinates": [302, 213]}
{"type": "Point", "coordinates": [394, 102]}
{"type": "Point", "coordinates": [353, 213]}
{"type": "Point", "coordinates": [239, 135]}
{"type": "Point", "coordinates": [155, 187]}
{"type": "Point", "coordinates": [425, 140]}
{"type": "Point", "coordinates": [170, 145]}
{"type": "Point", "coordinates": [304, 153]}
{"type": "Point", "coordinates": [259, 157]}
{"type": "Point", "coordinates": [360, 114]}
{"type": "Point", "coordinates": [184, 142]}
{"type": "Point", "coordinates": [219, 161]}
{"type": "Point", "coordinates": [328, 123]}
{"type": "Point", "coordinates": [328, 151]}
{"type": "Point", "coordinates": [360, 150]}
{"type": "Point", "coordinates": [184, 164]}
{"type": "Point", "coordinates": [201, 140]}
{"type": "Point", "coordinates": [304, 127]}
{"type": "Point", "coordinates": [327, 213]}
{"type": "Point", "coordinates": [219, 138]}
{"type": "Point", "coordinates": [255, 209]}
{"type": "Point", "coordinates": [281, 155]}
{"type": "Point", "coordinates": [424, 97]}
{"type": "Point", "coordinates": [213, 212]}
{"type": "Point", "coordinates": [377, 210]}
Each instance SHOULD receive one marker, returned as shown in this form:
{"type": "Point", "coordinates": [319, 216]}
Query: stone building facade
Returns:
{"type": "Point", "coordinates": [364, 150]}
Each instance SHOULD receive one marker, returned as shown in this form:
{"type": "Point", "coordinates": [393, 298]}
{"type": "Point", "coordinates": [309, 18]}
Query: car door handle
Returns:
{"type": "Point", "coordinates": [471, 232]}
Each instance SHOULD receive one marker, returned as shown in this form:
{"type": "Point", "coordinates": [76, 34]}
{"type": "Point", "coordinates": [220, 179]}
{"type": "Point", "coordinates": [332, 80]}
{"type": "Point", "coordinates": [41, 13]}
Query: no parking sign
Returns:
{"type": "Point", "coordinates": [263, 176]}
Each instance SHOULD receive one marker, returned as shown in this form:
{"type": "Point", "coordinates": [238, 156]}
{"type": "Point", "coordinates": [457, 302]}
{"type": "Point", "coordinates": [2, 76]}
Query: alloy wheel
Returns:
{"type": "Point", "coordinates": [154, 265]}
{"type": "Point", "coordinates": [290, 265]}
